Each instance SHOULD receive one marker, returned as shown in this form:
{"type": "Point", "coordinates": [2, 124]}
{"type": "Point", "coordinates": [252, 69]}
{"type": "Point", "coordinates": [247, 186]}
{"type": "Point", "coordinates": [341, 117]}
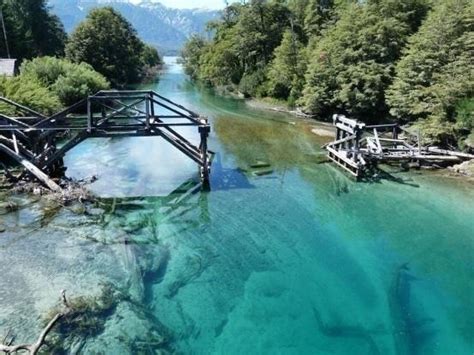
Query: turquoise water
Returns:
{"type": "Point", "coordinates": [299, 260]}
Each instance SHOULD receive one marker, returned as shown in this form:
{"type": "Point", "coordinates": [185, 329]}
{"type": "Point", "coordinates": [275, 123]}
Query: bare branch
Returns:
{"type": "Point", "coordinates": [33, 349]}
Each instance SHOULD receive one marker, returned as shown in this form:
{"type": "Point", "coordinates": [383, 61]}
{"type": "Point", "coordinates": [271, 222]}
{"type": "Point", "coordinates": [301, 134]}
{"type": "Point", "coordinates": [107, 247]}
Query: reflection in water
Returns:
{"type": "Point", "coordinates": [284, 255]}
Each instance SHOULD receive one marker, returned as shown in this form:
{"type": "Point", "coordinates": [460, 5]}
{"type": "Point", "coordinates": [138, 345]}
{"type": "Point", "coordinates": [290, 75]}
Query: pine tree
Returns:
{"type": "Point", "coordinates": [286, 72]}
{"type": "Point", "coordinates": [31, 30]}
{"type": "Point", "coordinates": [319, 14]}
{"type": "Point", "coordinates": [435, 78]}
{"type": "Point", "coordinates": [352, 65]}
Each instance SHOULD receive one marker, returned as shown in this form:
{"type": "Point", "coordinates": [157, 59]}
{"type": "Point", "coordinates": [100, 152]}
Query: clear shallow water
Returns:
{"type": "Point", "coordinates": [301, 260]}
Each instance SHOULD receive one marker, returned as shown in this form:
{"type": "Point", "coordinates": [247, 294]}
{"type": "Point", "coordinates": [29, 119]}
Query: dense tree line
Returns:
{"type": "Point", "coordinates": [375, 60]}
{"type": "Point", "coordinates": [104, 40]}
{"type": "Point", "coordinates": [31, 30]}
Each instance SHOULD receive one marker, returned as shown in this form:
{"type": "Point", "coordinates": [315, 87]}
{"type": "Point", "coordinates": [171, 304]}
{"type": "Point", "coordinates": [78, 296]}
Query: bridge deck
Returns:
{"type": "Point", "coordinates": [31, 138]}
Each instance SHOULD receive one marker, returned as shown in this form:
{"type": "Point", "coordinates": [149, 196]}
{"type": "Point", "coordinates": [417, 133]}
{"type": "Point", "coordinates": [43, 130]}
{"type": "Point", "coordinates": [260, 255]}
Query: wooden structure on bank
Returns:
{"type": "Point", "coordinates": [38, 143]}
{"type": "Point", "coordinates": [359, 147]}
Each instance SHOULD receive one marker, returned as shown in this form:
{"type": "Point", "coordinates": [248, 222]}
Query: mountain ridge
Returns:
{"type": "Point", "coordinates": [165, 28]}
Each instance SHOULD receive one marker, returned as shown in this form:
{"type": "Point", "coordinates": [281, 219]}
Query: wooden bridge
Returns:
{"type": "Point", "coordinates": [359, 147]}
{"type": "Point", "coordinates": [38, 143]}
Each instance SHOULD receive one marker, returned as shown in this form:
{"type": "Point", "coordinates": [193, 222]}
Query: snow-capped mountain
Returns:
{"type": "Point", "coordinates": [163, 27]}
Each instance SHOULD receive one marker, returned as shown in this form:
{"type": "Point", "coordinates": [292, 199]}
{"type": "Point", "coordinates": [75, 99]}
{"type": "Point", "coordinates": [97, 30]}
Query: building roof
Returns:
{"type": "Point", "coordinates": [7, 67]}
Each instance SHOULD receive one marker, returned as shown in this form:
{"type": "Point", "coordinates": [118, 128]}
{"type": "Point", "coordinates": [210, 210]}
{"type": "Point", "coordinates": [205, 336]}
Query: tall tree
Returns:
{"type": "Point", "coordinates": [109, 43]}
{"type": "Point", "coordinates": [243, 46]}
{"type": "Point", "coordinates": [191, 54]}
{"type": "Point", "coordinates": [31, 30]}
{"type": "Point", "coordinates": [318, 15]}
{"type": "Point", "coordinates": [435, 78]}
{"type": "Point", "coordinates": [286, 72]}
{"type": "Point", "coordinates": [352, 65]}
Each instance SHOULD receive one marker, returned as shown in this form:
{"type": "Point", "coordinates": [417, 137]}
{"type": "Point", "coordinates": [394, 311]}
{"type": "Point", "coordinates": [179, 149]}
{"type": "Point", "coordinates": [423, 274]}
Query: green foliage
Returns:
{"type": "Point", "coordinates": [150, 56]}
{"type": "Point", "coordinates": [31, 29]}
{"type": "Point", "coordinates": [109, 44]}
{"type": "Point", "coordinates": [191, 54]}
{"type": "Point", "coordinates": [353, 63]}
{"type": "Point", "coordinates": [28, 92]}
{"type": "Point", "coordinates": [318, 16]}
{"type": "Point", "coordinates": [286, 72]}
{"type": "Point", "coordinates": [219, 64]}
{"type": "Point", "coordinates": [252, 83]}
{"type": "Point", "coordinates": [465, 114]}
{"type": "Point", "coordinates": [375, 60]}
{"type": "Point", "coordinates": [435, 78]}
{"type": "Point", "coordinates": [71, 82]}
{"type": "Point", "coordinates": [243, 46]}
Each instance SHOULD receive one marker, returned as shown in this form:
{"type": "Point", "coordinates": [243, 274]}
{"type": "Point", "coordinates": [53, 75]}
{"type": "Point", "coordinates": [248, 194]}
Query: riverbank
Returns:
{"type": "Point", "coordinates": [320, 128]}
{"type": "Point", "coordinates": [267, 103]}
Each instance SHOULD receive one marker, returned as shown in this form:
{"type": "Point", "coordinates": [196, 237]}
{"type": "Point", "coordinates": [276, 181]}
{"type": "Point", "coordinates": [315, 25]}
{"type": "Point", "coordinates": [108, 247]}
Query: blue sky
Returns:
{"type": "Point", "coordinates": [189, 4]}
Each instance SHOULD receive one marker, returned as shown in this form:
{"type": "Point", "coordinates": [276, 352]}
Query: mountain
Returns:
{"type": "Point", "coordinates": [161, 26]}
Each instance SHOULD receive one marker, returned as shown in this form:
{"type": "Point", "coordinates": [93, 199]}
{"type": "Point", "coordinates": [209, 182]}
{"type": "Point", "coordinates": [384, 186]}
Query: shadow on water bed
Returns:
{"type": "Point", "coordinates": [285, 255]}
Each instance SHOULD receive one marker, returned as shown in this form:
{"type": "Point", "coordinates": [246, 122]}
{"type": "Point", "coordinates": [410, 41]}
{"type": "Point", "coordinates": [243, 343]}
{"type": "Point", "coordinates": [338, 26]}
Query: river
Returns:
{"type": "Point", "coordinates": [291, 258]}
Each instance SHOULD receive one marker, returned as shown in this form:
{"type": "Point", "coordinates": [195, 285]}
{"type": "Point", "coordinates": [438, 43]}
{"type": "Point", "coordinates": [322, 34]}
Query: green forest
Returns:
{"type": "Point", "coordinates": [57, 70]}
{"type": "Point", "coordinates": [409, 61]}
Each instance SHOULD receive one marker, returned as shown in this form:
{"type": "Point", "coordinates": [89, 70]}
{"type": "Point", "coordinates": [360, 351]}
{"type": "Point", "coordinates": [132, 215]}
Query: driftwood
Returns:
{"type": "Point", "coordinates": [33, 349]}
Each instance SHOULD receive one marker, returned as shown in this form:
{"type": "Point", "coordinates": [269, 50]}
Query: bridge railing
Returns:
{"type": "Point", "coordinates": [108, 113]}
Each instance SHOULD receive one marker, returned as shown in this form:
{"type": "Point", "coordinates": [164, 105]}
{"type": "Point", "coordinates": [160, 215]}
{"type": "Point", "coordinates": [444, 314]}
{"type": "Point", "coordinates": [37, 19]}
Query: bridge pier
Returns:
{"type": "Point", "coordinates": [204, 130]}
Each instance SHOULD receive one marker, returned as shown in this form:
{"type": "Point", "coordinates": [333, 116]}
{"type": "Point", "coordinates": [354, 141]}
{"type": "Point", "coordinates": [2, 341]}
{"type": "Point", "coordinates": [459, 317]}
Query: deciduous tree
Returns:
{"type": "Point", "coordinates": [108, 42]}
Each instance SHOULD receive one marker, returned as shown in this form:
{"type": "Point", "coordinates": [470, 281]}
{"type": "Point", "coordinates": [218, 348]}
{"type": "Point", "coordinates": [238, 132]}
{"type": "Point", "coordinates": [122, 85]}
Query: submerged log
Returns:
{"type": "Point", "coordinates": [33, 349]}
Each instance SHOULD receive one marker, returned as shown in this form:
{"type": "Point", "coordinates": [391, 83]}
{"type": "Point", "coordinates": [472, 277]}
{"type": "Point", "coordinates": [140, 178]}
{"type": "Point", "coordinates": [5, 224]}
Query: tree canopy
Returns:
{"type": "Point", "coordinates": [108, 42]}
{"type": "Point", "coordinates": [435, 78]}
{"type": "Point", "coordinates": [31, 30]}
{"type": "Point", "coordinates": [353, 63]}
{"type": "Point", "coordinates": [70, 82]}
{"type": "Point", "coordinates": [375, 60]}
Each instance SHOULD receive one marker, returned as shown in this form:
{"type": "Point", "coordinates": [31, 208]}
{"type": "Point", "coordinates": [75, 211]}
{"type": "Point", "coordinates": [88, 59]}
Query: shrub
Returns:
{"type": "Point", "coordinates": [28, 92]}
{"type": "Point", "coordinates": [71, 82]}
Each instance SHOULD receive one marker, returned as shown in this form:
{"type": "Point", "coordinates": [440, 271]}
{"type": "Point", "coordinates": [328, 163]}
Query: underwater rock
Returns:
{"type": "Point", "coordinates": [86, 318]}
{"type": "Point", "coordinates": [8, 206]}
{"type": "Point", "coordinates": [78, 208]}
{"type": "Point", "coordinates": [49, 211]}
{"type": "Point", "coordinates": [131, 330]}
{"type": "Point", "coordinates": [95, 211]}
{"type": "Point", "coordinates": [195, 266]}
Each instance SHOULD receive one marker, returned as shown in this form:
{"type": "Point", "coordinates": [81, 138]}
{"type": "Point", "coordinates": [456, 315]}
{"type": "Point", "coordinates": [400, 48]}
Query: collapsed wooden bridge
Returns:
{"type": "Point", "coordinates": [359, 147]}
{"type": "Point", "coordinates": [38, 143]}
